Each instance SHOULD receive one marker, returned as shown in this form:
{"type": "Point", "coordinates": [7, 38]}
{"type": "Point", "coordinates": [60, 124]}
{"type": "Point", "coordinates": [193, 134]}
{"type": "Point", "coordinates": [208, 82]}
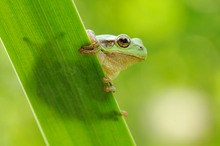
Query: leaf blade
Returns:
{"type": "Point", "coordinates": [64, 88]}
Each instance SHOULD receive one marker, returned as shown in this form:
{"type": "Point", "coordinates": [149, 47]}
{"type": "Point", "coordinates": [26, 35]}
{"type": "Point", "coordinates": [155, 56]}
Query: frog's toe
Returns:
{"type": "Point", "coordinates": [86, 50]}
{"type": "Point", "coordinates": [90, 49]}
{"type": "Point", "coordinates": [110, 88]}
{"type": "Point", "coordinates": [106, 80]}
{"type": "Point", "coordinates": [124, 113]}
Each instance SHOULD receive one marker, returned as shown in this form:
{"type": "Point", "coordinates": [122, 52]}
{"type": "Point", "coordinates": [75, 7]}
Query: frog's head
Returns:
{"type": "Point", "coordinates": [133, 47]}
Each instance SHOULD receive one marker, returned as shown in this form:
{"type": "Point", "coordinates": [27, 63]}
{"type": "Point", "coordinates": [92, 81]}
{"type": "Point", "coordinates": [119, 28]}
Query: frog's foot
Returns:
{"type": "Point", "coordinates": [90, 49]}
{"type": "Point", "coordinates": [93, 48]}
{"type": "Point", "coordinates": [109, 88]}
{"type": "Point", "coordinates": [124, 114]}
{"type": "Point", "coordinates": [106, 80]}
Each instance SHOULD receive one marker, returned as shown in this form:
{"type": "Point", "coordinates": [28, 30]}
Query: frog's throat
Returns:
{"type": "Point", "coordinates": [113, 63]}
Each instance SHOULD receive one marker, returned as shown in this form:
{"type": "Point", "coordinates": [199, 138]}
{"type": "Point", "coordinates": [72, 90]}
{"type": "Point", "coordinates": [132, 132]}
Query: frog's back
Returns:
{"type": "Point", "coordinates": [106, 41]}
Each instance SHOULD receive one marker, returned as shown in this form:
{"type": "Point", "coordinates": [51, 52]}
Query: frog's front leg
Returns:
{"type": "Point", "coordinates": [109, 88]}
{"type": "Point", "coordinates": [93, 48]}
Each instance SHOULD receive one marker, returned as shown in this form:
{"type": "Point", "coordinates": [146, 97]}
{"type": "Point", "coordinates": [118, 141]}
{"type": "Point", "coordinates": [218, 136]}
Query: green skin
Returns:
{"type": "Point", "coordinates": [113, 54]}
{"type": "Point", "coordinates": [136, 47]}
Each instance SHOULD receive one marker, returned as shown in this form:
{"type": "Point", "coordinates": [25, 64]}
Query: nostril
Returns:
{"type": "Point", "coordinates": [141, 47]}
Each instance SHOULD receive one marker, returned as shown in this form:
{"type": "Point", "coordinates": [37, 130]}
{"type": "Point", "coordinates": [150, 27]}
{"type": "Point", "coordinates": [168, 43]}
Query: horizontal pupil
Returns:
{"type": "Point", "coordinates": [124, 40]}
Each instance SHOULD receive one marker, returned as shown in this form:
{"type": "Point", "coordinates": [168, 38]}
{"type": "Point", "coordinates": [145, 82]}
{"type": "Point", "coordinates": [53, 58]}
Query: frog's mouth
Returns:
{"type": "Point", "coordinates": [122, 57]}
{"type": "Point", "coordinates": [135, 57]}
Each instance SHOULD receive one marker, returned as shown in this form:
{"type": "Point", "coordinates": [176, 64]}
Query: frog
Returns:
{"type": "Point", "coordinates": [115, 53]}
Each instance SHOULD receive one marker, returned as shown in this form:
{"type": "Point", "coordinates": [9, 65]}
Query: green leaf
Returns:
{"type": "Point", "coordinates": [63, 87]}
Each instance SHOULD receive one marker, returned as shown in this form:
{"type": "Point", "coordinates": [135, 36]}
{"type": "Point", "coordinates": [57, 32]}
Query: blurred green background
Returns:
{"type": "Point", "coordinates": [173, 98]}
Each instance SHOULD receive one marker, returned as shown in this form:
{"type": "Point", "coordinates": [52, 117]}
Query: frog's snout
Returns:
{"type": "Point", "coordinates": [143, 51]}
{"type": "Point", "coordinates": [141, 48]}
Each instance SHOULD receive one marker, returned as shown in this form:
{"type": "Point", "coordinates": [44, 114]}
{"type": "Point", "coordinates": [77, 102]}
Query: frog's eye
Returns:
{"type": "Point", "coordinates": [123, 41]}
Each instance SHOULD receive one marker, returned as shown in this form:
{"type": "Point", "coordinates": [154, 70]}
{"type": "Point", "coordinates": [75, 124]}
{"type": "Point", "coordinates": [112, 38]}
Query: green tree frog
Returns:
{"type": "Point", "coordinates": [115, 53]}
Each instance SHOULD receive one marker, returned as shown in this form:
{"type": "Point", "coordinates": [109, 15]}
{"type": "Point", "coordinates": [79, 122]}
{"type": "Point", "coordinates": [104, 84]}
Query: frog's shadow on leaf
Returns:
{"type": "Point", "coordinates": [51, 70]}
